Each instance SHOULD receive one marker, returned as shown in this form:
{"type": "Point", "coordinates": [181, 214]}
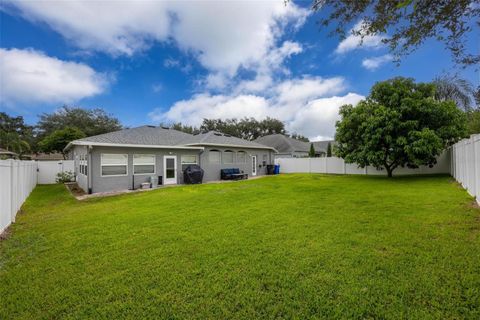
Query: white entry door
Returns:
{"type": "Point", "coordinates": [170, 170]}
{"type": "Point", "coordinates": [254, 165]}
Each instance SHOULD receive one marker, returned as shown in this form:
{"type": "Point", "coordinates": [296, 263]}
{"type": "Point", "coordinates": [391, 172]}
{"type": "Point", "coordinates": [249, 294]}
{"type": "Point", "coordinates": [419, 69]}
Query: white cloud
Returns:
{"type": "Point", "coordinates": [223, 36]}
{"type": "Point", "coordinates": [376, 62]}
{"type": "Point", "coordinates": [304, 89]}
{"type": "Point", "coordinates": [307, 105]}
{"type": "Point", "coordinates": [30, 76]}
{"type": "Point", "coordinates": [318, 117]}
{"type": "Point", "coordinates": [354, 41]}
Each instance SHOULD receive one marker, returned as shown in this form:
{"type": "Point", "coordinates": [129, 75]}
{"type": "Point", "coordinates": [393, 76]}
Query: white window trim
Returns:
{"type": "Point", "coordinates": [113, 165]}
{"type": "Point", "coordinates": [144, 164]}
{"type": "Point", "coordinates": [233, 157]}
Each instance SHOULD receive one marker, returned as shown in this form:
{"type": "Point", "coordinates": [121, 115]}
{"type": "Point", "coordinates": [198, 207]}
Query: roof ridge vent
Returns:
{"type": "Point", "coordinates": [151, 126]}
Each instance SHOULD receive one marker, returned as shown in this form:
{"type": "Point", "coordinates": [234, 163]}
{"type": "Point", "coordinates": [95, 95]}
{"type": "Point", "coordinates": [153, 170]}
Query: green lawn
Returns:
{"type": "Point", "coordinates": [290, 246]}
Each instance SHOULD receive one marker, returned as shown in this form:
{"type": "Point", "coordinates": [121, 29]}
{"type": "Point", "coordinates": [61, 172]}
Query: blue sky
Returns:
{"type": "Point", "coordinates": [153, 62]}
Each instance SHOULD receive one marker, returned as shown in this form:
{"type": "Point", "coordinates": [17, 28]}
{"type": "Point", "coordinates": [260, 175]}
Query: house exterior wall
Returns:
{"type": "Point", "coordinates": [114, 183]}
{"type": "Point", "coordinates": [212, 170]}
{"type": "Point", "coordinates": [101, 183]}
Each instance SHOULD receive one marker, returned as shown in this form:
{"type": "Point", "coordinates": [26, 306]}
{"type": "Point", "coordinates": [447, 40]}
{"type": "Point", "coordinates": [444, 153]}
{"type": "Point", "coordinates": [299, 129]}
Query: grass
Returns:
{"type": "Point", "coordinates": [291, 246]}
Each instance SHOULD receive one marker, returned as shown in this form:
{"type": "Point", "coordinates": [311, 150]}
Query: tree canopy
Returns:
{"type": "Point", "coordinates": [245, 128]}
{"type": "Point", "coordinates": [90, 121]}
{"type": "Point", "coordinates": [399, 124]}
{"type": "Point", "coordinates": [58, 140]}
{"type": "Point", "coordinates": [408, 23]}
{"type": "Point", "coordinates": [15, 135]}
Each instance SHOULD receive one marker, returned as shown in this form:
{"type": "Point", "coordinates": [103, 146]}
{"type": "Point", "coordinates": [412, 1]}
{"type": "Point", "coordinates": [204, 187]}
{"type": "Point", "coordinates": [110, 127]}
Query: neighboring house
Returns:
{"type": "Point", "coordinates": [5, 154]}
{"type": "Point", "coordinates": [322, 146]}
{"type": "Point", "coordinates": [47, 156]}
{"type": "Point", "coordinates": [124, 159]}
{"type": "Point", "coordinates": [286, 147]}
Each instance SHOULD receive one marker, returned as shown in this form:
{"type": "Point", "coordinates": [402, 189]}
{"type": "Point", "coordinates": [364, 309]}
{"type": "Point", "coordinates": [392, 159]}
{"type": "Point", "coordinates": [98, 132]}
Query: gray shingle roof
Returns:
{"type": "Point", "coordinates": [158, 136]}
{"type": "Point", "coordinates": [213, 137]}
{"type": "Point", "coordinates": [284, 144]}
{"type": "Point", "coordinates": [322, 145]}
{"type": "Point", "coordinates": [144, 135]}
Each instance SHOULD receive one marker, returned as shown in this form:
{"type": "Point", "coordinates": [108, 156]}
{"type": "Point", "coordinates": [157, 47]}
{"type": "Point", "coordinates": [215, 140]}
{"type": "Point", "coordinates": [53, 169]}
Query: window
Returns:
{"type": "Point", "coordinates": [188, 160]}
{"type": "Point", "coordinates": [241, 156]}
{"type": "Point", "coordinates": [82, 164]}
{"type": "Point", "coordinates": [143, 164]}
{"type": "Point", "coordinates": [214, 156]}
{"type": "Point", "coordinates": [114, 164]}
{"type": "Point", "coordinates": [228, 156]}
{"type": "Point", "coordinates": [265, 159]}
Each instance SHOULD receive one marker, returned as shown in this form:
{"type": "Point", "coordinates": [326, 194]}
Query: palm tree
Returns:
{"type": "Point", "coordinates": [452, 87]}
{"type": "Point", "coordinates": [12, 141]}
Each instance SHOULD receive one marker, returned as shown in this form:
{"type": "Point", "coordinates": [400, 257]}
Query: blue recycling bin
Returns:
{"type": "Point", "coordinates": [277, 169]}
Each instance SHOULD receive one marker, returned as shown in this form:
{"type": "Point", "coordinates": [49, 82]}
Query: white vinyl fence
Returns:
{"type": "Point", "coordinates": [466, 164]}
{"type": "Point", "coordinates": [19, 178]}
{"type": "Point", "coordinates": [47, 170]}
{"type": "Point", "coordinates": [336, 165]}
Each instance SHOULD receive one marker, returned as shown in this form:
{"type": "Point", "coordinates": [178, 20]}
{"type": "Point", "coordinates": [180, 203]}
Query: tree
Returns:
{"type": "Point", "coordinates": [298, 136]}
{"type": "Point", "coordinates": [184, 128]}
{"type": "Point", "coordinates": [12, 141]}
{"type": "Point", "coordinates": [399, 124]}
{"type": "Point", "coordinates": [90, 122]}
{"type": "Point", "coordinates": [473, 121]}
{"type": "Point", "coordinates": [58, 140]}
{"type": "Point", "coordinates": [311, 153]}
{"type": "Point", "coordinates": [409, 23]}
{"type": "Point", "coordinates": [15, 135]}
{"type": "Point", "coordinates": [246, 128]}
{"type": "Point", "coordinates": [329, 149]}
{"type": "Point", "coordinates": [453, 88]}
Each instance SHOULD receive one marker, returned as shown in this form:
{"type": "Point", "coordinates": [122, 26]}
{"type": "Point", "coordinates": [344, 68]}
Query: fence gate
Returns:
{"type": "Point", "coordinates": [47, 170]}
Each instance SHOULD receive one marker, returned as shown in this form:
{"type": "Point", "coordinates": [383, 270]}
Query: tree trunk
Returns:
{"type": "Point", "coordinates": [389, 171]}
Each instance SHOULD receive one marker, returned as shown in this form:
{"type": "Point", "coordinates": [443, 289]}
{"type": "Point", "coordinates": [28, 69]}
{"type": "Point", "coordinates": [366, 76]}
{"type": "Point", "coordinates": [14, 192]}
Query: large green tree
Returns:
{"type": "Point", "coordinates": [399, 124]}
{"type": "Point", "coordinates": [58, 140]}
{"type": "Point", "coordinates": [408, 23]}
{"type": "Point", "coordinates": [90, 121]}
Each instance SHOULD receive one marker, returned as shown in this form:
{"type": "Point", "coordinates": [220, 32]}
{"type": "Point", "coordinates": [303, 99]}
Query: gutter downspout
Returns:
{"type": "Point", "coordinates": [89, 166]}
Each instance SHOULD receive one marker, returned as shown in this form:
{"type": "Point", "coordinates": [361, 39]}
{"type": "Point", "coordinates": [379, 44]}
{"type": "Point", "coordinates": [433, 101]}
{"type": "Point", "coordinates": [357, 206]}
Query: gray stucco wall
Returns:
{"type": "Point", "coordinates": [116, 183]}
{"type": "Point", "coordinates": [113, 183]}
{"type": "Point", "coordinates": [212, 170]}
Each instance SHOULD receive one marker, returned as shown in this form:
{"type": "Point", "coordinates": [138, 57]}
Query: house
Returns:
{"type": "Point", "coordinates": [47, 156]}
{"type": "Point", "coordinates": [322, 146]}
{"type": "Point", "coordinates": [125, 159]}
{"type": "Point", "coordinates": [286, 147]}
{"type": "Point", "coordinates": [292, 148]}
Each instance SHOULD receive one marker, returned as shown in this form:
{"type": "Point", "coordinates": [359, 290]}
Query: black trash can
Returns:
{"type": "Point", "coordinates": [270, 169]}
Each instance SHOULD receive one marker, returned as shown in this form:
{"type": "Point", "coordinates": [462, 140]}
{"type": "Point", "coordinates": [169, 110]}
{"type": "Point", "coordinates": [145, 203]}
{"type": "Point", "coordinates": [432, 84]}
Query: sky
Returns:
{"type": "Point", "coordinates": [153, 62]}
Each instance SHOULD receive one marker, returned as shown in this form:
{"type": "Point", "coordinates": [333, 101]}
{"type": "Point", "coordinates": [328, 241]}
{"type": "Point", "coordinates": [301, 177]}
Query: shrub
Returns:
{"type": "Point", "coordinates": [65, 176]}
